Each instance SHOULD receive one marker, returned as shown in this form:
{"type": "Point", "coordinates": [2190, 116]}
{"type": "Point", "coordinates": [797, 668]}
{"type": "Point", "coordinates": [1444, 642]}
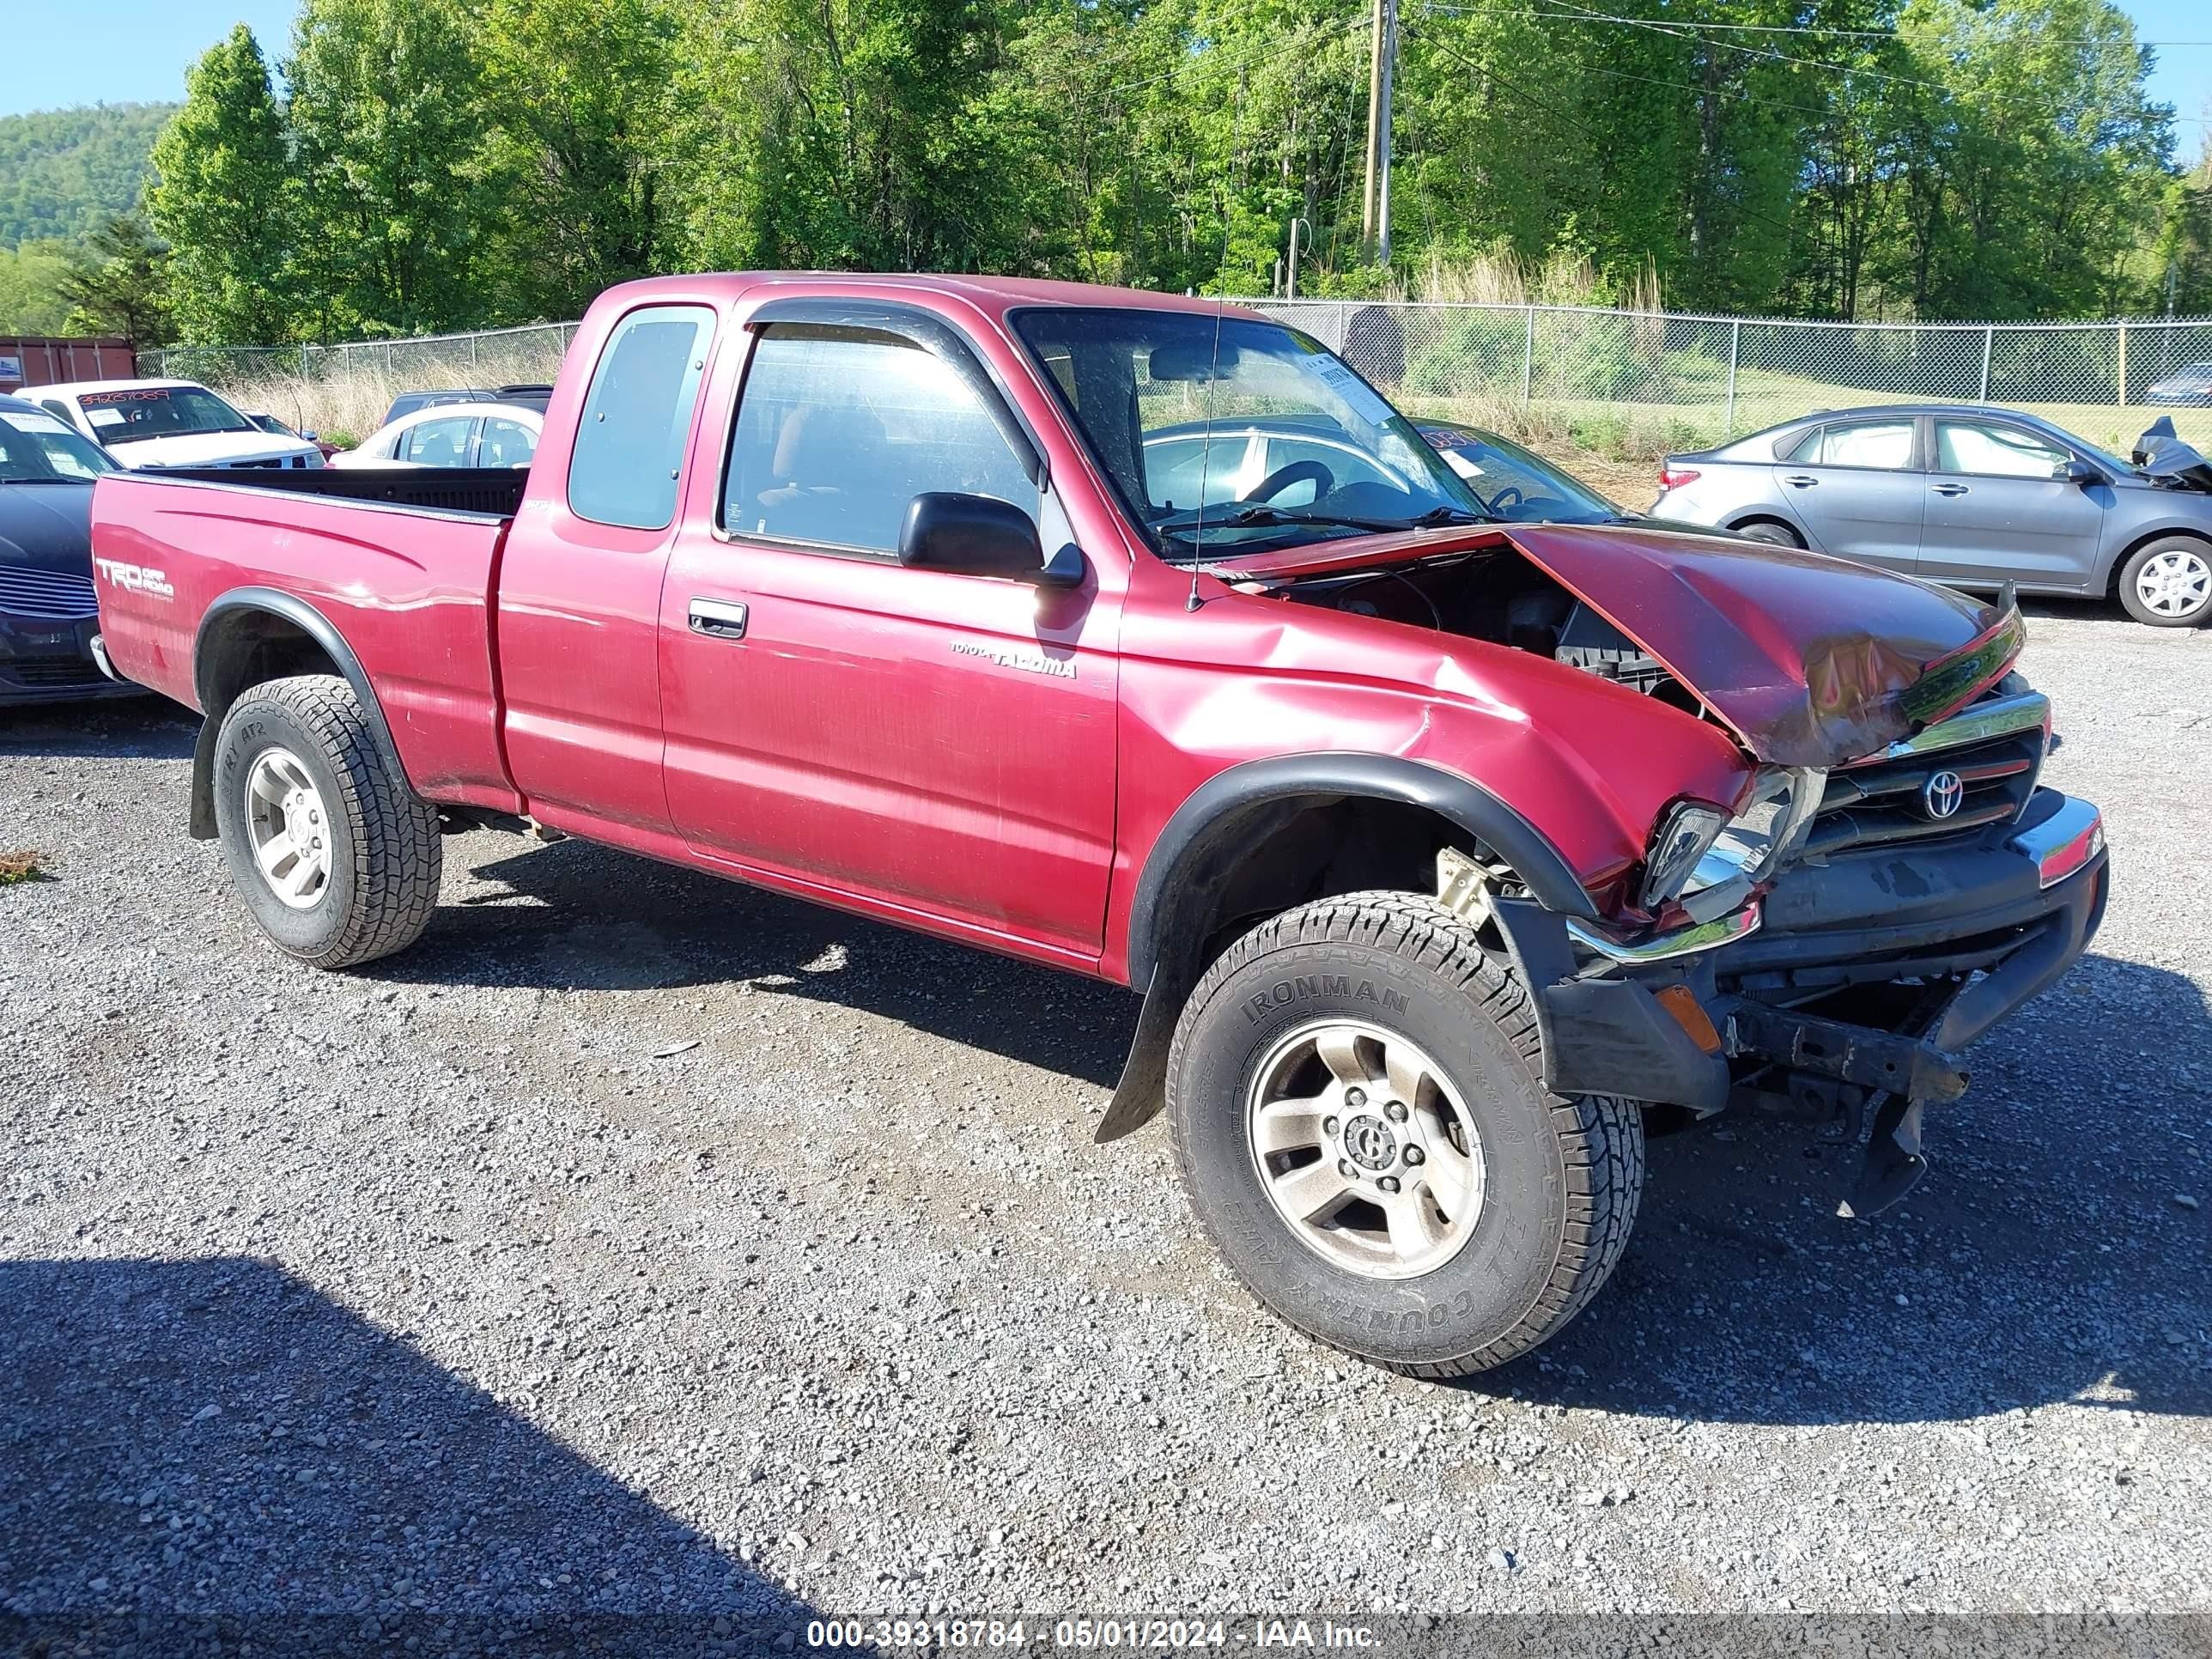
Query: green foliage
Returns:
{"type": "Point", "coordinates": [31, 288]}
{"type": "Point", "coordinates": [576, 88]}
{"type": "Point", "coordinates": [64, 173]}
{"type": "Point", "coordinates": [221, 198]}
{"type": "Point", "coordinates": [118, 283]}
{"type": "Point", "coordinates": [454, 163]}
{"type": "Point", "coordinates": [389, 135]}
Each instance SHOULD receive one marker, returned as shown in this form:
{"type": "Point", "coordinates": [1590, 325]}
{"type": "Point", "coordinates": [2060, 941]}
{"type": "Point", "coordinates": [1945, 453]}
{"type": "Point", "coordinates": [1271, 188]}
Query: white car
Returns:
{"type": "Point", "coordinates": [167, 423]}
{"type": "Point", "coordinates": [452, 434]}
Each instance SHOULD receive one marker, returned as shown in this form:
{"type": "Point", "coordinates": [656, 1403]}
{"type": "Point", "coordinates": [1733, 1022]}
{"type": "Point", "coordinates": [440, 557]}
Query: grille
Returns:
{"type": "Point", "coordinates": [46, 595]}
{"type": "Point", "coordinates": [1880, 801]}
{"type": "Point", "coordinates": [55, 673]}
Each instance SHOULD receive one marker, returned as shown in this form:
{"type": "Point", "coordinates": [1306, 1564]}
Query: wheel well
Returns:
{"type": "Point", "coordinates": [1775, 518]}
{"type": "Point", "coordinates": [2120, 559]}
{"type": "Point", "coordinates": [240, 648]}
{"type": "Point", "coordinates": [245, 648]}
{"type": "Point", "coordinates": [1256, 863]}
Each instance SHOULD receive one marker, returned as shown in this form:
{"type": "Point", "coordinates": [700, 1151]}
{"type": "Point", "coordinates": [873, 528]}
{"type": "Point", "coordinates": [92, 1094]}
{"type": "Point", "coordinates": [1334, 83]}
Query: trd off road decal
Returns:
{"type": "Point", "coordinates": [136, 579]}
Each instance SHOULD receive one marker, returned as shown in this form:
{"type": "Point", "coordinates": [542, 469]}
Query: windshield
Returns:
{"type": "Point", "coordinates": [1513, 484]}
{"type": "Point", "coordinates": [158, 411]}
{"type": "Point", "coordinates": [36, 448]}
{"type": "Point", "coordinates": [1259, 438]}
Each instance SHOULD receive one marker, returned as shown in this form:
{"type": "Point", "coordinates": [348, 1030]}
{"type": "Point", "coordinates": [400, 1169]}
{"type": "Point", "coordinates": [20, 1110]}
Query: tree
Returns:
{"type": "Point", "coordinates": [221, 199]}
{"type": "Point", "coordinates": [389, 136]}
{"type": "Point", "coordinates": [118, 284]}
{"type": "Point", "coordinates": [575, 88]}
{"type": "Point", "coordinates": [30, 288]}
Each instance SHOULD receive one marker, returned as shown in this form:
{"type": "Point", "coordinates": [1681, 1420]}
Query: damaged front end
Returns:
{"type": "Point", "coordinates": [1934, 889]}
{"type": "Point", "coordinates": [1888, 882]}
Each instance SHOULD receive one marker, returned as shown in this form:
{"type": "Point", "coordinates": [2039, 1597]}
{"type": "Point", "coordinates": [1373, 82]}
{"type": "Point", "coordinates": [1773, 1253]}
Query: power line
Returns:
{"type": "Point", "coordinates": [1821, 29]}
{"type": "Point", "coordinates": [1687, 32]}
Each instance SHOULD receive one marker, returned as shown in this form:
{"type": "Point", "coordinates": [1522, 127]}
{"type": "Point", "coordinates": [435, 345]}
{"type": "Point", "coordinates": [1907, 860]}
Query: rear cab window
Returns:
{"type": "Point", "coordinates": [629, 445]}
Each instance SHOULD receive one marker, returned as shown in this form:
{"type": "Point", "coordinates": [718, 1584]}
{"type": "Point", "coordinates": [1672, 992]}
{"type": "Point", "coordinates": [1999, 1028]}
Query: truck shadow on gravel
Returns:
{"type": "Point", "coordinates": [2036, 1261]}
{"type": "Point", "coordinates": [2045, 1257]}
{"type": "Point", "coordinates": [584, 917]}
{"type": "Point", "coordinates": [213, 1444]}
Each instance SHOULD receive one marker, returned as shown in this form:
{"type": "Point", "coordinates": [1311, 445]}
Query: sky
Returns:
{"type": "Point", "coordinates": [135, 50]}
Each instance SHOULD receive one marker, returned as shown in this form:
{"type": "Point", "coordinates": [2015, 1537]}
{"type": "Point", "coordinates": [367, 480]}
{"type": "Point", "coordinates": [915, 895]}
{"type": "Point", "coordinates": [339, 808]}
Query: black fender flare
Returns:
{"type": "Point", "coordinates": [1257, 783]}
{"type": "Point", "coordinates": [208, 689]}
{"type": "Point", "coordinates": [1188, 847]}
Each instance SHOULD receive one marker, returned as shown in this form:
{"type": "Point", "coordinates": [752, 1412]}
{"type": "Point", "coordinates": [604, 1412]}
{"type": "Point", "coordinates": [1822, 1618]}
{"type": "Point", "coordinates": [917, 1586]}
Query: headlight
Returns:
{"type": "Point", "coordinates": [1683, 837]}
{"type": "Point", "coordinates": [1700, 853]}
{"type": "Point", "coordinates": [1770, 827]}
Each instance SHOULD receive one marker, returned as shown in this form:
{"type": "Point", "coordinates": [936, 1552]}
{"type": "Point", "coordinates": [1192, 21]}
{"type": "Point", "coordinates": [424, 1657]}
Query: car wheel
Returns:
{"type": "Point", "coordinates": [336, 857]}
{"type": "Point", "coordinates": [2168, 584]}
{"type": "Point", "coordinates": [1773, 533]}
{"type": "Point", "coordinates": [1362, 1128]}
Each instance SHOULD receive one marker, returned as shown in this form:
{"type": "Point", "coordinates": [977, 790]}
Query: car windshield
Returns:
{"type": "Point", "coordinates": [1225, 433]}
{"type": "Point", "coordinates": [137, 412]}
{"type": "Point", "coordinates": [36, 448]}
{"type": "Point", "coordinates": [1513, 484]}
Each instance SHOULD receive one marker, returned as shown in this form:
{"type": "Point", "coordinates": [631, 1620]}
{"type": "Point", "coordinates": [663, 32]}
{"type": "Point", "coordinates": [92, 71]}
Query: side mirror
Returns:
{"type": "Point", "coordinates": [2085, 473]}
{"type": "Point", "coordinates": [977, 536]}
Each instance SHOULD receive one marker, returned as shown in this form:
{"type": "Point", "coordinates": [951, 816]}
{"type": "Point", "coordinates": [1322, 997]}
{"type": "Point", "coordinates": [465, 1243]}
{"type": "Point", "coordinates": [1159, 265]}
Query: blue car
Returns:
{"type": "Point", "coordinates": [47, 612]}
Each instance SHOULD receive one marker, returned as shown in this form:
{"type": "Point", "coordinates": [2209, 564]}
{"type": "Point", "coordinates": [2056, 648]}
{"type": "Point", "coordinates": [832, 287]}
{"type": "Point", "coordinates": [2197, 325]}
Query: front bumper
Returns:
{"type": "Point", "coordinates": [1860, 981]}
{"type": "Point", "coordinates": [44, 660]}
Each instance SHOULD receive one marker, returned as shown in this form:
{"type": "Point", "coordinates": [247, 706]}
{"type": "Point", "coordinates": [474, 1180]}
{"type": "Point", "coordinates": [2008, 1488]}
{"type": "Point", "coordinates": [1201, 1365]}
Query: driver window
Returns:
{"type": "Point", "coordinates": [840, 429]}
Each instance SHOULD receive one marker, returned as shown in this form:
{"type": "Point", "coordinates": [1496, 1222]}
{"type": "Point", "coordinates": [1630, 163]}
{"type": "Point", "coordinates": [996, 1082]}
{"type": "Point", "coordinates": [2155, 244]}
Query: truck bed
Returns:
{"type": "Point", "coordinates": [495, 491]}
{"type": "Point", "coordinates": [399, 563]}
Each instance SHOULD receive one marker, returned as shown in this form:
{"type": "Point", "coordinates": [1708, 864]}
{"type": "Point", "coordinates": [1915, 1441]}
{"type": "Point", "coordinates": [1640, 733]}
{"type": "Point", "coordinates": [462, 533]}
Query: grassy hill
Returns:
{"type": "Point", "coordinates": [62, 172]}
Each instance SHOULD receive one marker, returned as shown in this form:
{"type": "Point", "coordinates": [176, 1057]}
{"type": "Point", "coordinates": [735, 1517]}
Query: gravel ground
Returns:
{"type": "Point", "coordinates": [638, 1243]}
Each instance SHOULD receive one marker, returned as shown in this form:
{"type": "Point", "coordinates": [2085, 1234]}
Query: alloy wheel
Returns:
{"type": "Point", "coordinates": [1365, 1149]}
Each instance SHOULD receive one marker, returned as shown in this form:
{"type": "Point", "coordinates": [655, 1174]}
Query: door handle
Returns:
{"type": "Point", "coordinates": [718, 619]}
{"type": "Point", "coordinates": [1799, 481]}
{"type": "Point", "coordinates": [1950, 489]}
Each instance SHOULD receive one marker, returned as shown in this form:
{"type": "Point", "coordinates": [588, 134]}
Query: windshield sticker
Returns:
{"type": "Point", "coordinates": [32, 423]}
{"type": "Point", "coordinates": [143, 394]}
{"type": "Point", "coordinates": [104, 416]}
{"type": "Point", "coordinates": [1362, 398]}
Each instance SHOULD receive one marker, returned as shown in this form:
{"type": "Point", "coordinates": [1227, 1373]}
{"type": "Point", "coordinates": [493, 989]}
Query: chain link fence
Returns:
{"type": "Point", "coordinates": [342, 391]}
{"type": "Point", "coordinates": [1625, 381]}
{"type": "Point", "coordinates": [1649, 381]}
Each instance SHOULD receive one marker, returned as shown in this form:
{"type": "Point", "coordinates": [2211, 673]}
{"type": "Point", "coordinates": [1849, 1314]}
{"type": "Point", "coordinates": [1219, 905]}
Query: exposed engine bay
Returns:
{"type": "Point", "coordinates": [1497, 595]}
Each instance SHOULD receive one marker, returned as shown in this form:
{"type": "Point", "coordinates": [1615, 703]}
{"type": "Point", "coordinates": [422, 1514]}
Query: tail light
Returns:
{"type": "Point", "coordinates": [1673, 477]}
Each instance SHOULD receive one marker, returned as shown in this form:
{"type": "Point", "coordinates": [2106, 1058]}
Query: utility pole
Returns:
{"type": "Point", "coordinates": [1296, 221]}
{"type": "Point", "coordinates": [1374, 200]}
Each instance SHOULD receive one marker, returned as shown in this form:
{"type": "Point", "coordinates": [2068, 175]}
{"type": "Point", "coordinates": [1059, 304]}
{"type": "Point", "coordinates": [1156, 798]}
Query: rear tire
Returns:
{"type": "Point", "coordinates": [338, 858]}
{"type": "Point", "coordinates": [1515, 1210]}
{"type": "Point", "coordinates": [2167, 583]}
{"type": "Point", "coordinates": [1772, 532]}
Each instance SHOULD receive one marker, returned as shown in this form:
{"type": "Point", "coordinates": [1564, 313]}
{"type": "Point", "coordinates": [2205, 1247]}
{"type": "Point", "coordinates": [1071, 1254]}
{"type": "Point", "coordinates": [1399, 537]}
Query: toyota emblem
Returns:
{"type": "Point", "coordinates": [1941, 796]}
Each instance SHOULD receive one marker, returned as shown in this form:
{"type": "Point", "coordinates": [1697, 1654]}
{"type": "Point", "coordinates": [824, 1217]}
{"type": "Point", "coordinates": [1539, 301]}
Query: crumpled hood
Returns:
{"type": "Point", "coordinates": [46, 527]}
{"type": "Point", "coordinates": [1811, 660]}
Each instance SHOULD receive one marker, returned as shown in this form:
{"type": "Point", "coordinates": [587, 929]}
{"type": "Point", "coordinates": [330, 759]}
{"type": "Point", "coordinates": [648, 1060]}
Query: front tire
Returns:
{"type": "Point", "coordinates": [338, 858]}
{"type": "Point", "coordinates": [1772, 532]}
{"type": "Point", "coordinates": [2168, 583]}
{"type": "Point", "coordinates": [1361, 1128]}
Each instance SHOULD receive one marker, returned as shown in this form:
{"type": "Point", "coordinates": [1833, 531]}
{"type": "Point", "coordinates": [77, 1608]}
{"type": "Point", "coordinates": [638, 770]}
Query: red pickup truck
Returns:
{"type": "Point", "coordinates": [1141, 637]}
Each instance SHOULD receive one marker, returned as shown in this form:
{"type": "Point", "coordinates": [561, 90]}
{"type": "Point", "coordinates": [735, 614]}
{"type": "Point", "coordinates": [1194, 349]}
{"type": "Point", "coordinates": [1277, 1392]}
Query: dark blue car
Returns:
{"type": "Point", "coordinates": [47, 612]}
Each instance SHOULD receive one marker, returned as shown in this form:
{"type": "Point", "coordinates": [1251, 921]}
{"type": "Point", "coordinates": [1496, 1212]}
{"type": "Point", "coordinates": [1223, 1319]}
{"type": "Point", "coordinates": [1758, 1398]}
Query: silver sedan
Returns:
{"type": "Point", "coordinates": [1971, 496]}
